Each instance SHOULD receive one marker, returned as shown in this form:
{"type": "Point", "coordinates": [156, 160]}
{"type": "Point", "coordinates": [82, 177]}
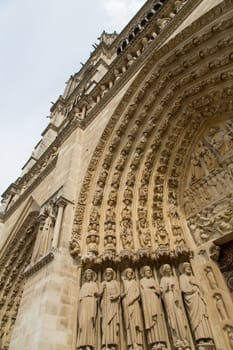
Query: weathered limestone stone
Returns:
{"type": "Point", "coordinates": [118, 235]}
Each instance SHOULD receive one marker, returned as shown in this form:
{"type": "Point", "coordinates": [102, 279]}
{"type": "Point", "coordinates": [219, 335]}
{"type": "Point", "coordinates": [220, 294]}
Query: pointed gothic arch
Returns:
{"type": "Point", "coordinates": [130, 211]}
{"type": "Point", "coordinates": [165, 104]}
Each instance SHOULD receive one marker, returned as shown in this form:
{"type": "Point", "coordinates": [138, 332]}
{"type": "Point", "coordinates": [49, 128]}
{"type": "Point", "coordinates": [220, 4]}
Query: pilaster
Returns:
{"type": "Point", "coordinates": [47, 313]}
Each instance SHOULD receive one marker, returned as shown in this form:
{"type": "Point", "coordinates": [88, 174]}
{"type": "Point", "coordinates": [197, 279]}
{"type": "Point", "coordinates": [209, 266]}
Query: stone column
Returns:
{"type": "Point", "coordinates": [61, 203]}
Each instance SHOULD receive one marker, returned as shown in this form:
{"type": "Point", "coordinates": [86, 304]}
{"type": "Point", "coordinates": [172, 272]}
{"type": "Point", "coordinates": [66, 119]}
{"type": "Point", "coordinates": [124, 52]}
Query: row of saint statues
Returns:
{"type": "Point", "coordinates": [133, 310]}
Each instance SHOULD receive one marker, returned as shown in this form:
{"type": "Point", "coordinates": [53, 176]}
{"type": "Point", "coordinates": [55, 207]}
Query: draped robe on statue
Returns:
{"type": "Point", "coordinates": [110, 313]}
{"type": "Point", "coordinates": [196, 307]}
{"type": "Point", "coordinates": [87, 314]}
{"type": "Point", "coordinates": [132, 313]}
{"type": "Point", "coordinates": [152, 310]}
{"type": "Point", "coordinates": [176, 317]}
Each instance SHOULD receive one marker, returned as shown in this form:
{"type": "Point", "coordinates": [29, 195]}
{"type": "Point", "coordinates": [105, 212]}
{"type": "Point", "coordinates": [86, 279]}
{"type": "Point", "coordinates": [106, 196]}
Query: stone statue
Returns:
{"type": "Point", "coordinates": [178, 5]}
{"type": "Point", "coordinates": [45, 234]}
{"type": "Point", "coordinates": [211, 278]}
{"type": "Point", "coordinates": [98, 196]}
{"type": "Point", "coordinates": [92, 243]}
{"type": "Point", "coordinates": [195, 305]}
{"type": "Point", "coordinates": [152, 310]}
{"type": "Point", "coordinates": [110, 310]}
{"type": "Point", "coordinates": [88, 294]}
{"type": "Point", "coordinates": [172, 300]}
{"type": "Point", "coordinates": [110, 243]}
{"type": "Point", "coordinates": [127, 235]}
{"type": "Point", "coordinates": [162, 237]}
{"type": "Point", "coordinates": [94, 216]}
{"type": "Point", "coordinates": [132, 312]}
{"type": "Point", "coordinates": [110, 215]}
{"type": "Point", "coordinates": [145, 237]}
{"type": "Point", "coordinates": [229, 330]}
{"type": "Point", "coordinates": [112, 198]}
{"type": "Point", "coordinates": [215, 137]}
{"type": "Point", "coordinates": [220, 306]}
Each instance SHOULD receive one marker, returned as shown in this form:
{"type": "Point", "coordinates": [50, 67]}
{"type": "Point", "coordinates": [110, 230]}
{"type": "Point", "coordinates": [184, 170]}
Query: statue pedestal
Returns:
{"type": "Point", "coordinates": [206, 346]}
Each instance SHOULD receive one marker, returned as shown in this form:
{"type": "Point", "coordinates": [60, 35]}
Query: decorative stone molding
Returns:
{"type": "Point", "coordinates": [132, 227]}
{"type": "Point", "coordinates": [159, 79]}
{"type": "Point", "coordinates": [31, 269]}
{"type": "Point", "coordinates": [16, 257]}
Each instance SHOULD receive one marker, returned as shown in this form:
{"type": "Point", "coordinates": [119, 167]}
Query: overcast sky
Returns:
{"type": "Point", "coordinates": [41, 44]}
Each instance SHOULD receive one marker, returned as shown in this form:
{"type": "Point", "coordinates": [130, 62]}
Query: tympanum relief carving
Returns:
{"type": "Point", "coordinates": [208, 196]}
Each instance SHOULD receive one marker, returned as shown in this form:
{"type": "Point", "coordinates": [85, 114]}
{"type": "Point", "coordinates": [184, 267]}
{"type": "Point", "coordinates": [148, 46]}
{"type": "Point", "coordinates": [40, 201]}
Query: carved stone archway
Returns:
{"type": "Point", "coordinates": [132, 209]}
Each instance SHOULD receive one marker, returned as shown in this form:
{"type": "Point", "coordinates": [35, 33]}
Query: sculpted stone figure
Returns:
{"type": "Point", "coordinates": [229, 330]}
{"type": "Point", "coordinates": [110, 215]}
{"type": "Point", "coordinates": [132, 312]}
{"type": "Point", "coordinates": [92, 243]}
{"type": "Point", "coordinates": [220, 306]}
{"type": "Point", "coordinates": [110, 243]}
{"type": "Point", "coordinates": [211, 278]}
{"type": "Point", "coordinates": [152, 310]}
{"type": "Point", "coordinates": [110, 310]}
{"type": "Point", "coordinates": [112, 198]}
{"type": "Point", "coordinates": [94, 216]}
{"type": "Point", "coordinates": [102, 178]}
{"type": "Point", "coordinates": [178, 5]}
{"type": "Point", "coordinates": [98, 196]}
{"type": "Point", "coordinates": [172, 300]}
{"type": "Point", "coordinates": [145, 237]}
{"type": "Point", "coordinates": [130, 179]}
{"type": "Point", "coordinates": [162, 237]}
{"type": "Point", "coordinates": [45, 233]}
{"type": "Point", "coordinates": [219, 139]}
{"type": "Point", "coordinates": [195, 305]}
{"type": "Point", "coordinates": [88, 294]}
{"type": "Point", "coordinates": [127, 235]}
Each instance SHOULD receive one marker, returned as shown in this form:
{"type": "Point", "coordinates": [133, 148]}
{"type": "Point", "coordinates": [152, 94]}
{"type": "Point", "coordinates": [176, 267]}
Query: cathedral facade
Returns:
{"type": "Point", "coordinates": [119, 233]}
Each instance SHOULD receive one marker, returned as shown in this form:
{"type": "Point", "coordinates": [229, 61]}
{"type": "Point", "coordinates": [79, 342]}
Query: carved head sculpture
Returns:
{"type": "Point", "coordinates": [146, 271]}
{"type": "Point", "coordinates": [92, 237]}
{"type": "Point", "coordinates": [128, 274]}
{"type": "Point", "coordinates": [214, 252]}
{"type": "Point", "coordinates": [212, 131]}
{"type": "Point", "coordinates": [186, 268]}
{"type": "Point", "coordinates": [89, 275]}
{"type": "Point", "coordinates": [109, 274]}
{"type": "Point", "coordinates": [110, 239]}
{"type": "Point", "coordinates": [166, 270]}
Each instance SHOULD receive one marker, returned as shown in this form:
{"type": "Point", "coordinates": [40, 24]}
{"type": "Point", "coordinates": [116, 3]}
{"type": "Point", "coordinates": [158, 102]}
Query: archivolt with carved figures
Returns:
{"type": "Point", "coordinates": [160, 170]}
{"type": "Point", "coordinates": [146, 167]}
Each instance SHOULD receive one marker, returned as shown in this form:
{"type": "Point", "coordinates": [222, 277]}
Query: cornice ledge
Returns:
{"type": "Point", "coordinates": [159, 255]}
{"type": "Point", "coordinates": [35, 183]}
{"type": "Point", "coordinates": [157, 47]}
{"type": "Point", "coordinates": [32, 269]}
